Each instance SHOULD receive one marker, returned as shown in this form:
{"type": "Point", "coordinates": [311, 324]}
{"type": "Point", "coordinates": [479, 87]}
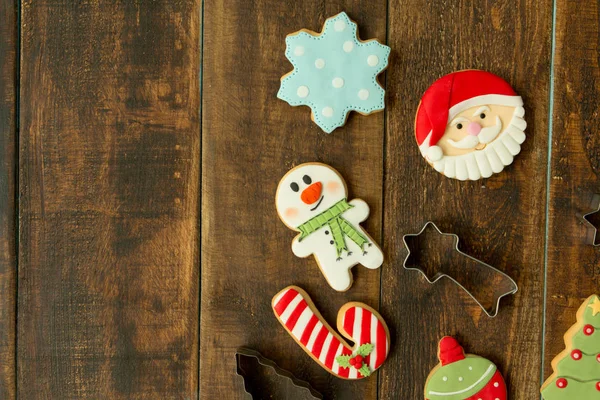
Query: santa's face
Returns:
{"type": "Point", "coordinates": [306, 191]}
{"type": "Point", "coordinates": [475, 128]}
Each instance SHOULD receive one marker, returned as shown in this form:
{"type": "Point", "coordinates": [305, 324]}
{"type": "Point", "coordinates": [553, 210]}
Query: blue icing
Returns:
{"type": "Point", "coordinates": [335, 53]}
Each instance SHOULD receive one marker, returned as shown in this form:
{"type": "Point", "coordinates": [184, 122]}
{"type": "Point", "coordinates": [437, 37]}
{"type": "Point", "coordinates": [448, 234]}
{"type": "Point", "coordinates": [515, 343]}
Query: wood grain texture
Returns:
{"type": "Point", "coordinates": [499, 220]}
{"type": "Point", "coordinates": [250, 140]}
{"type": "Point", "coordinates": [110, 164]}
{"type": "Point", "coordinates": [8, 158]}
{"type": "Point", "coordinates": [573, 273]}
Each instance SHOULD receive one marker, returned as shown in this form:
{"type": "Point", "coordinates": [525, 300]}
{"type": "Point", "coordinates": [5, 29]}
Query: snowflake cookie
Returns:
{"type": "Point", "coordinates": [334, 72]}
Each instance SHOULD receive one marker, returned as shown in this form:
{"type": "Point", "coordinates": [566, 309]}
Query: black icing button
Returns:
{"type": "Point", "coordinates": [327, 232]}
{"type": "Point", "coordinates": [331, 242]}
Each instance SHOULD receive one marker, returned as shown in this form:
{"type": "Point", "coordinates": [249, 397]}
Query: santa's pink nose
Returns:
{"type": "Point", "coordinates": [473, 129]}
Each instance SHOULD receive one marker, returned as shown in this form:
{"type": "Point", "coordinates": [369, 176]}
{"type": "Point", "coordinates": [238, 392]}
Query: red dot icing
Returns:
{"type": "Point", "coordinates": [576, 355]}
{"type": "Point", "coordinates": [588, 330]}
{"type": "Point", "coordinates": [561, 383]}
{"type": "Point", "coordinates": [598, 386]}
{"type": "Point", "coordinates": [598, 358]}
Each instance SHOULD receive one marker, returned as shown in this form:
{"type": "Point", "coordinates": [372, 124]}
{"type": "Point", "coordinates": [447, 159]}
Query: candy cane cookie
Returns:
{"type": "Point", "coordinates": [358, 322]}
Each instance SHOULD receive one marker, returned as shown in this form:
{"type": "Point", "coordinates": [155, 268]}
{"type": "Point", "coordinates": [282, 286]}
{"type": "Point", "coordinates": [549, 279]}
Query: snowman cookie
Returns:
{"type": "Point", "coordinates": [334, 72]}
{"type": "Point", "coordinates": [312, 199]}
{"type": "Point", "coordinates": [461, 376]}
{"type": "Point", "coordinates": [470, 125]}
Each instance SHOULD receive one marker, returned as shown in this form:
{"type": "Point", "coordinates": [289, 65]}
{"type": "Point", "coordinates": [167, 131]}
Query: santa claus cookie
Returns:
{"type": "Point", "coordinates": [312, 199]}
{"type": "Point", "coordinates": [334, 72]}
{"type": "Point", "coordinates": [470, 125]}
{"type": "Point", "coordinates": [577, 369]}
{"type": "Point", "coordinates": [358, 322]}
{"type": "Point", "coordinates": [463, 377]}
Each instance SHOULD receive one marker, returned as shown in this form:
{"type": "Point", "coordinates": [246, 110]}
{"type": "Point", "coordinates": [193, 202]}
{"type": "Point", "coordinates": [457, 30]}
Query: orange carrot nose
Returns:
{"type": "Point", "coordinates": [312, 193]}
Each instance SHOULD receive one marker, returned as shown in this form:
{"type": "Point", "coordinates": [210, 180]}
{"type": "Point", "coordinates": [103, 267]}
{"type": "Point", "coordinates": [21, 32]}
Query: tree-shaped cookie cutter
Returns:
{"type": "Point", "coordinates": [592, 230]}
{"type": "Point", "coordinates": [245, 352]}
{"type": "Point", "coordinates": [507, 284]}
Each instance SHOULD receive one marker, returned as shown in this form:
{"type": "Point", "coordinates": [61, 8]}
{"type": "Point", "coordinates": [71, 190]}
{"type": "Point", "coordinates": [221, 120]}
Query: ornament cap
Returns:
{"type": "Point", "coordinates": [450, 351]}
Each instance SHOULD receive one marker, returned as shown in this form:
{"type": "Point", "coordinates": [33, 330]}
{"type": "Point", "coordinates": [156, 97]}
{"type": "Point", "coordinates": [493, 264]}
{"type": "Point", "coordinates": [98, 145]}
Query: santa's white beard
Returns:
{"type": "Point", "coordinates": [492, 159]}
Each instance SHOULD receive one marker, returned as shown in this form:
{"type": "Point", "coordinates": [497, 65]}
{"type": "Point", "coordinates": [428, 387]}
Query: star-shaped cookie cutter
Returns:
{"type": "Point", "coordinates": [511, 284]}
{"type": "Point", "coordinates": [592, 230]}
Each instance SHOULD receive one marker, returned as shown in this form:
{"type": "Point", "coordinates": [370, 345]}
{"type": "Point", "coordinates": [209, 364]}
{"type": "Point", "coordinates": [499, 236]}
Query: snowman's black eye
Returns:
{"type": "Point", "coordinates": [482, 115]}
{"type": "Point", "coordinates": [307, 179]}
{"type": "Point", "coordinates": [459, 126]}
{"type": "Point", "coordinates": [294, 186]}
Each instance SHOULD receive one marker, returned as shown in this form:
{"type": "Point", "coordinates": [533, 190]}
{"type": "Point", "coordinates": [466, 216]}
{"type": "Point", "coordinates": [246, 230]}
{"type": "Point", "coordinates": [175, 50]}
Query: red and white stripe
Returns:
{"type": "Point", "coordinates": [316, 338]}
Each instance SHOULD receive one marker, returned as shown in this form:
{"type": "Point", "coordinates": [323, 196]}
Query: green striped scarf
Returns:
{"type": "Point", "coordinates": [339, 226]}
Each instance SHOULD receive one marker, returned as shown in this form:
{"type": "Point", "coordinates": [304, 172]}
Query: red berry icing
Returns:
{"type": "Point", "coordinates": [359, 359]}
{"type": "Point", "coordinates": [561, 383]}
{"type": "Point", "coordinates": [576, 355]}
{"type": "Point", "coordinates": [588, 330]}
{"type": "Point", "coordinates": [598, 358]}
{"type": "Point", "coordinates": [598, 386]}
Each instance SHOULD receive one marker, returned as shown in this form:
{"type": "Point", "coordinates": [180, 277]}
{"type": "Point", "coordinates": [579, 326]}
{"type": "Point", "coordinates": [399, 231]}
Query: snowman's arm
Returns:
{"type": "Point", "coordinates": [302, 248]}
{"type": "Point", "coordinates": [358, 213]}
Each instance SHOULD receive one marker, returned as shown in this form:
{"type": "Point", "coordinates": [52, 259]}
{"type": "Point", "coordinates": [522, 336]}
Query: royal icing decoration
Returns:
{"type": "Point", "coordinates": [334, 72]}
{"type": "Point", "coordinates": [461, 376]}
{"type": "Point", "coordinates": [470, 125]}
{"type": "Point", "coordinates": [358, 322]}
{"type": "Point", "coordinates": [577, 369]}
{"type": "Point", "coordinates": [312, 199]}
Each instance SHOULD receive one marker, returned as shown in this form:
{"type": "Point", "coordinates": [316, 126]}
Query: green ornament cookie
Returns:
{"type": "Point", "coordinates": [463, 377]}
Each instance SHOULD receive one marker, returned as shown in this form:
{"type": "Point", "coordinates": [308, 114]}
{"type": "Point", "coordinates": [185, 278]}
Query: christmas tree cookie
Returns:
{"type": "Point", "coordinates": [577, 369]}
{"type": "Point", "coordinates": [463, 377]}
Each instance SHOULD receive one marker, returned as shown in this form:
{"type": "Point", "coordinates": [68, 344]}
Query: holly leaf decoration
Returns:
{"type": "Point", "coordinates": [365, 349]}
{"type": "Point", "coordinates": [344, 361]}
{"type": "Point", "coordinates": [364, 370]}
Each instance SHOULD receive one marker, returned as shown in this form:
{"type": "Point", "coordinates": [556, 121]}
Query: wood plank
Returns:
{"type": "Point", "coordinates": [110, 169]}
{"type": "Point", "coordinates": [250, 140]}
{"type": "Point", "coordinates": [8, 157]}
{"type": "Point", "coordinates": [572, 273]}
{"type": "Point", "coordinates": [499, 220]}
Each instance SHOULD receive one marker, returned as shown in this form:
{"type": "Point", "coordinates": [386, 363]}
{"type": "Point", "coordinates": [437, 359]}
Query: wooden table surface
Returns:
{"type": "Point", "coordinates": [141, 143]}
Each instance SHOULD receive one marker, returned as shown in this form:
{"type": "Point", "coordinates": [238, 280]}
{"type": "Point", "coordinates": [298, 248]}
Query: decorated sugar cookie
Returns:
{"type": "Point", "coordinates": [461, 376]}
{"type": "Point", "coordinates": [334, 72]}
{"type": "Point", "coordinates": [312, 199]}
{"type": "Point", "coordinates": [470, 125]}
{"type": "Point", "coordinates": [358, 322]}
{"type": "Point", "coordinates": [577, 369]}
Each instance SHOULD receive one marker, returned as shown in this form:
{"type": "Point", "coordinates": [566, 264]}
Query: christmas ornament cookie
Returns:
{"type": "Point", "coordinates": [577, 369]}
{"type": "Point", "coordinates": [312, 199]}
{"type": "Point", "coordinates": [470, 125]}
{"type": "Point", "coordinates": [463, 377]}
{"type": "Point", "coordinates": [356, 321]}
{"type": "Point", "coordinates": [334, 72]}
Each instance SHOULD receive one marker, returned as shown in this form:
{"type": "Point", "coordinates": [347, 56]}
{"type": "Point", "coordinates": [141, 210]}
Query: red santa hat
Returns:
{"type": "Point", "coordinates": [452, 94]}
{"type": "Point", "coordinates": [450, 351]}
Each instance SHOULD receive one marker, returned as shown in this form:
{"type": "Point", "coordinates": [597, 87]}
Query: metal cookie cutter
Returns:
{"type": "Point", "coordinates": [592, 231]}
{"type": "Point", "coordinates": [290, 385]}
{"type": "Point", "coordinates": [486, 281]}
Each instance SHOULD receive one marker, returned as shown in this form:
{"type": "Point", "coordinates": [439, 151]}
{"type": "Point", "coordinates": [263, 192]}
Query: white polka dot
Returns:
{"type": "Point", "coordinates": [470, 368]}
{"type": "Point", "coordinates": [337, 82]}
{"type": "Point", "coordinates": [299, 50]}
{"type": "Point", "coordinates": [372, 60]}
{"type": "Point", "coordinates": [363, 94]}
{"type": "Point", "coordinates": [327, 112]}
{"type": "Point", "coordinates": [348, 46]}
{"type": "Point", "coordinates": [460, 378]}
{"type": "Point", "coordinates": [339, 25]}
{"type": "Point", "coordinates": [445, 378]}
{"type": "Point", "coordinates": [302, 91]}
{"type": "Point", "coordinates": [319, 63]}
{"type": "Point", "coordinates": [496, 384]}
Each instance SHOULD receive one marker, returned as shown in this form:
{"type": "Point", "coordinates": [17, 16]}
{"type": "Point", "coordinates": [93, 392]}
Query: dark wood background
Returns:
{"type": "Point", "coordinates": [141, 143]}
